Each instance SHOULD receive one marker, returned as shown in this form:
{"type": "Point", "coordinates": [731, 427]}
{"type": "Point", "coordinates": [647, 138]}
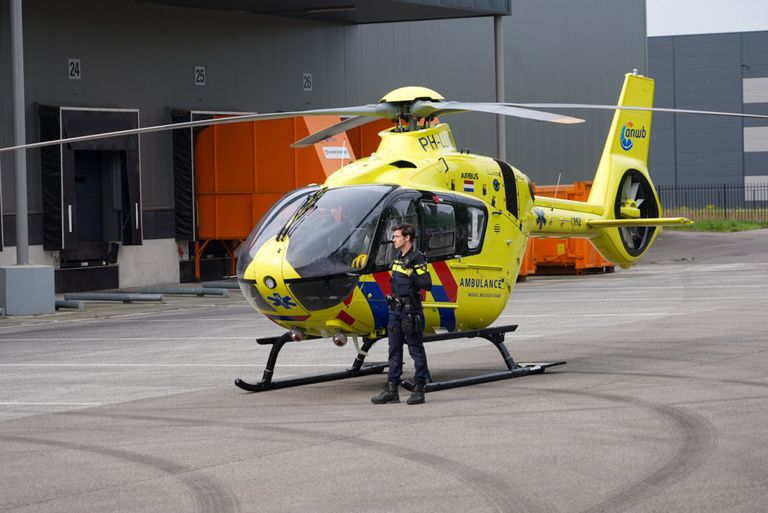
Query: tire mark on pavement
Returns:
{"type": "Point", "coordinates": [697, 440]}
{"type": "Point", "coordinates": [501, 496]}
{"type": "Point", "coordinates": [209, 495]}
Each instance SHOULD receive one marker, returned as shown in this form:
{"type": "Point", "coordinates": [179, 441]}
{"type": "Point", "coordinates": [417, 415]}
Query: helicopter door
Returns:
{"type": "Point", "coordinates": [438, 240]}
{"type": "Point", "coordinates": [403, 210]}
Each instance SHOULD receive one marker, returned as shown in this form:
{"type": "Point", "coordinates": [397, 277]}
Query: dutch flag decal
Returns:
{"type": "Point", "coordinates": [469, 186]}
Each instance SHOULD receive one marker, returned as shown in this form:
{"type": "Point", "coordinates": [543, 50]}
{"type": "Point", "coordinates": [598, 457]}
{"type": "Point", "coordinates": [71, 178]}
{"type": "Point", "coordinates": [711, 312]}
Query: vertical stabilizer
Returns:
{"type": "Point", "coordinates": [628, 139]}
{"type": "Point", "coordinates": [622, 183]}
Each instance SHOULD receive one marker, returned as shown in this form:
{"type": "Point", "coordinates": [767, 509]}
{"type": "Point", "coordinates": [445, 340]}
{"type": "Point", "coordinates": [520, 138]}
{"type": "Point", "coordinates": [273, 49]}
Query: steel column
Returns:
{"type": "Point", "coordinates": [501, 127]}
{"type": "Point", "coordinates": [19, 133]}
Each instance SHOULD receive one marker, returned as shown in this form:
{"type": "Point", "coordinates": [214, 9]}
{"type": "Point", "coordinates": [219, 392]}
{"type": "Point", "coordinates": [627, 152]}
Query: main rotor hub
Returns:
{"type": "Point", "coordinates": [410, 94]}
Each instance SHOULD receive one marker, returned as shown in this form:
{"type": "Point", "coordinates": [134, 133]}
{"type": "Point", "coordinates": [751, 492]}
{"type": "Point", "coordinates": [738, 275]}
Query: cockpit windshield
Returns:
{"type": "Point", "coordinates": [335, 233]}
{"type": "Point", "coordinates": [331, 231]}
{"type": "Point", "coordinates": [273, 221]}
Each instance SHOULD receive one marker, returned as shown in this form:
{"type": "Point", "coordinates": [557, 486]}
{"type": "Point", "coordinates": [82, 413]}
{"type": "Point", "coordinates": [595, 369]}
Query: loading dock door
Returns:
{"type": "Point", "coordinates": [91, 207]}
{"type": "Point", "coordinates": [90, 218]}
{"type": "Point", "coordinates": [1, 209]}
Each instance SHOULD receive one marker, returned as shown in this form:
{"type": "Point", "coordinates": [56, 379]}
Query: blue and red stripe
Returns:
{"type": "Point", "coordinates": [375, 293]}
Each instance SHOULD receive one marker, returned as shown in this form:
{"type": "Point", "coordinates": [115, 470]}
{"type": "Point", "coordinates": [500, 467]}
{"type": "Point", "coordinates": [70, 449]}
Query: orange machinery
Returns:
{"type": "Point", "coordinates": [563, 256]}
{"type": "Point", "coordinates": [242, 169]}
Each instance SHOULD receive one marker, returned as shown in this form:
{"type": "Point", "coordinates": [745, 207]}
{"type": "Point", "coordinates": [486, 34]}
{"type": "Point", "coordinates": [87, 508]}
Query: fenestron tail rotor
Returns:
{"type": "Point", "coordinates": [636, 200]}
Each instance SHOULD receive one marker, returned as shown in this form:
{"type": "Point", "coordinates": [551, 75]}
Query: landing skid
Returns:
{"type": "Point", "coordinates": [495, 335]}
{"type": "Point", "coordinates": [359, 368]}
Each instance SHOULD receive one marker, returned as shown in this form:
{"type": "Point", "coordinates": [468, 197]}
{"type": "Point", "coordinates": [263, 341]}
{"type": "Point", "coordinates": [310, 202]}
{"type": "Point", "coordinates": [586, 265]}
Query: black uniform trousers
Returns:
{"type": "Point", "coordinates": [415, 343]}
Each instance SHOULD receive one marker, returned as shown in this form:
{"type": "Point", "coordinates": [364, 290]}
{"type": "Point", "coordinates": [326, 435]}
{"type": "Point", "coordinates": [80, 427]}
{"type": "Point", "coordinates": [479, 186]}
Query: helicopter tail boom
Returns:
{"type": "Point", "coordinates": [623, 214]}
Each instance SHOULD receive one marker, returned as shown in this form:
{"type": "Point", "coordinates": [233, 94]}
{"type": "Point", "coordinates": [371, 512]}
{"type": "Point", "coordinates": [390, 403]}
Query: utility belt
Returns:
{"type": "Point", "coordinates": [411, 313]}
{"type": "Point", "coordinates": [400, 302]}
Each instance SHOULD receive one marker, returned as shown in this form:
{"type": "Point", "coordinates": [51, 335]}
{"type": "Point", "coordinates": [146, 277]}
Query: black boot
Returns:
{"type": "Point", "coordinates": [388, 395]}
{"type": "Point", "coordinates": [417, 396]}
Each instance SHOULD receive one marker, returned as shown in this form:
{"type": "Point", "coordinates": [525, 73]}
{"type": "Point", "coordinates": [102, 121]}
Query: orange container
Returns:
{"type": "Point", "coordinates": [566, 256]}
{"type": "Point", "coordinates": [242, 169]}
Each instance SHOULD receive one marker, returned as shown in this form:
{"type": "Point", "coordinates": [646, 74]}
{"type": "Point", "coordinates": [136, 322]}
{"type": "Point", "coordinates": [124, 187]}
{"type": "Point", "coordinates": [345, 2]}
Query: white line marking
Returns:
{"type": "Point", "coordinates": [50, 404]}
{"type": "Point", "coordinates": [246, 317]}
{"type": "Point", "coordinates": [133, 339]}
{"type": "Point", "coordinates": [607, 286]}
{"type": "Point", "coordinates": [634, 314]}
{"type": "Point", "coordinates": [167, 365]}
{"type": "Point", "coordinates": [638, 299]}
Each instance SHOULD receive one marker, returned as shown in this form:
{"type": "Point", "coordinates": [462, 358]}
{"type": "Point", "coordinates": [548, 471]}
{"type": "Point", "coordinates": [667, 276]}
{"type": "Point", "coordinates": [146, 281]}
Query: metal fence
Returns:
{"type": "Point", "coordinates": [725, 201]}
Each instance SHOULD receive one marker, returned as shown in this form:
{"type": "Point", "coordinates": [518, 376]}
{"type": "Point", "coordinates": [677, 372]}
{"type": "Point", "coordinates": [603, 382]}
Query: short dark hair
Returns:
{"type": "Point", "coordinates": [406, 229]}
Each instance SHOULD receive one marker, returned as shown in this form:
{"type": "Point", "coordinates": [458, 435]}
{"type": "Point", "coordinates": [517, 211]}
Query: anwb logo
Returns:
{"type": "Point", "coordinates": [628, 132]}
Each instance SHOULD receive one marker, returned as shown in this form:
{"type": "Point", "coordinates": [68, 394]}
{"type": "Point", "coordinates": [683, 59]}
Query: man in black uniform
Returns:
{"type": "Point", "coordinates": [406, 316]}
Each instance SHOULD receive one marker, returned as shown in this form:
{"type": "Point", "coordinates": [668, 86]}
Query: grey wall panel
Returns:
{"type": "Point", "coordinates": [453, 57]}
{"type": "Point", "coordinates": [142, 55]}
{"type": "Point", "coordinates": [756, 163]}
{"type": "Point", "coordinates": [661, 67]}
{"type": "Point", "coordinates": [698, 174]}
{"type": "Point", "coordinates": [755, 58]}
{"type": "Point", "coordinates": [7, 181]}
{"type": "Point", "coordinates": [662, 157]}
{"type": "Point", "coordinates": [756, 108]}
{"type": "Point", "coordinates": [553, 57]}
{"type": "Point", "coordinates": [252, 63]}
{"type": "Point", "coordinates": [708, 74]}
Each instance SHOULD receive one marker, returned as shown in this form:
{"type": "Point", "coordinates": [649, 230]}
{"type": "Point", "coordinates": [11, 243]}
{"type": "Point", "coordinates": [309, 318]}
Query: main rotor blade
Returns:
{"type": "Point", "coordinates": [429, 108]}
{"type": "Point", "coordinates": [590, 106]}
{"type": "Point", "coordinates": [332, 130]}
{"type": "Point", "coordinates": [374, 111]}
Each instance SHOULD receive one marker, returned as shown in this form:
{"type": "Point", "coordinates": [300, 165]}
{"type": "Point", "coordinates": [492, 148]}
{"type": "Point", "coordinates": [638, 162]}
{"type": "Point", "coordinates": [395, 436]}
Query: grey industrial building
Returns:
{"type": "Point", "coordinates": [106, 64]}
{"type": "Point", "coordinates": [718, 72]}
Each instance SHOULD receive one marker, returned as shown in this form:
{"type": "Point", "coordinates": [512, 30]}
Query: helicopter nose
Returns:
{"type": "Point", "coordinates": [261, 280]}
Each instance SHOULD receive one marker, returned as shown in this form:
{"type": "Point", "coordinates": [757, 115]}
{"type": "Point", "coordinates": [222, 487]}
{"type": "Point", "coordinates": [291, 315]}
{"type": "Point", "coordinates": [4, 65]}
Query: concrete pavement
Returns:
{"type": "Point", "coordinates": [662, 406]}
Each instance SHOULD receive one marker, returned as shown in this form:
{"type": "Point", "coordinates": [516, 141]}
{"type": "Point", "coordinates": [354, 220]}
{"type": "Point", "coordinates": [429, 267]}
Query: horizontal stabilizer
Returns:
{"type": "Point", "coordinates": [650, 221]}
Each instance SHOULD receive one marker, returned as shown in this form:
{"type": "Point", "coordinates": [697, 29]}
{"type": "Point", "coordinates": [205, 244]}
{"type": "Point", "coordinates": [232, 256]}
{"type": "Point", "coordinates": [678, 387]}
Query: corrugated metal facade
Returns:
{"type": "Point", "coordinates": [721, 72]}
{"type": "Point", "coordinates": [142, 56]}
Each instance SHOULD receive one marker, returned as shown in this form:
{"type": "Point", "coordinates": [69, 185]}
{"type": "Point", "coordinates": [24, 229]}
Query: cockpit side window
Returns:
{"type": "Point", "coordinates": [438, 239]}
{"type": "Point", "coordinates": [471, 221]}
{"type": "Point", "coordinates": [403, 210]}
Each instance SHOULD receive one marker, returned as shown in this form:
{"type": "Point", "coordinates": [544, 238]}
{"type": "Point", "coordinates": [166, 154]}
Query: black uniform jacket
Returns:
{"type": "Point", "coordinates": [409, 274]}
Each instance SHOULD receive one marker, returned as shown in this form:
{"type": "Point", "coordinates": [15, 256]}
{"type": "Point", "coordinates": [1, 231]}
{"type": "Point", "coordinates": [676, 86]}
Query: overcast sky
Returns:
{"type": "Point", "coordinates": [675, 17]}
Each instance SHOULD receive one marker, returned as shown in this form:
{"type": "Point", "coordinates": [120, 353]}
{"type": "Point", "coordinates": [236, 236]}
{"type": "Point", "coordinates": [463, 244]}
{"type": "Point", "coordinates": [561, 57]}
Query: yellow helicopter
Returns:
{"type": "Point", "coordinates": [317, 263]}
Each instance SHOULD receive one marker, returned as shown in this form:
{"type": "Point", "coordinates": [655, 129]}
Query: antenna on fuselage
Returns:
{"type": "Point", "coordinates": [559, 174]}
